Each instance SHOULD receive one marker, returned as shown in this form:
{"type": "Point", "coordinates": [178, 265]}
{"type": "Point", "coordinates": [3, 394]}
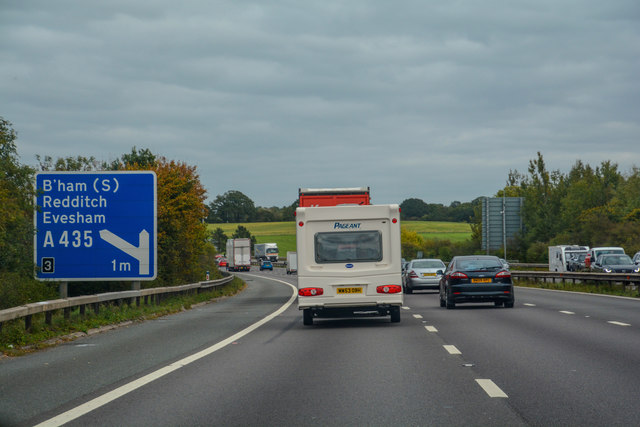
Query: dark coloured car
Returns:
{"type": "Point", "coordinates": [615, 263]}
{"type": "Point", "coordinates": [266, 265]}
{"type": "Point", "coordinates": [476, 278]}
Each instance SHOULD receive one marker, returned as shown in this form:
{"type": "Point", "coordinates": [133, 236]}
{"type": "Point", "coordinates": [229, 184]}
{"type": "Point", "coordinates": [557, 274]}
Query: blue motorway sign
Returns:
{"type": "Point", "coordinates": [96, 226]}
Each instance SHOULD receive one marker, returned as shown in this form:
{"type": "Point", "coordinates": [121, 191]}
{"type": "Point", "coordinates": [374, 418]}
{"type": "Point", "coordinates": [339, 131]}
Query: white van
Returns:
{"type": "Point", "coordinates": [349, 261]}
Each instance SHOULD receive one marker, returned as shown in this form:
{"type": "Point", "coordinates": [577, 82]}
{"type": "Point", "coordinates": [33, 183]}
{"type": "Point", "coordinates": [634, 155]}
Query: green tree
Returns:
{"type": "Point", "coordinates": [140, 159]}
{"type": "Point", "coordinates": [219, 239]}
{"type": "Point", "coordinates": [17, 285]}
{"type": "Point", "coordinates": [289, 212]}
{"type": "Point", "coordinates": [543, 194]}
{"type": "Point", "coordinates": [16, 206]}
{"type": "Point", "coordinates": [232, 206]}
{"type": "Point", "coordinates": [78, 163]}
{"type": "Point", "coordinates": [413, 209]}
{"type": "Point", "coordinates": [267, 214]}
{"type": "Point", "coordinates": [241, 232]}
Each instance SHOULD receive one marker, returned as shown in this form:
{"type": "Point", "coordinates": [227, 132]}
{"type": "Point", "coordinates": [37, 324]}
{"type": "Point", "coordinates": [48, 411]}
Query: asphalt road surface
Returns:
{"type": "Point", "coordinates": [556, 358]}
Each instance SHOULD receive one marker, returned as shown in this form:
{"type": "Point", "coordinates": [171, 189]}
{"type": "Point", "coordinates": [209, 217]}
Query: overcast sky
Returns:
{"type": "Point", "coordinates": [436, 100]}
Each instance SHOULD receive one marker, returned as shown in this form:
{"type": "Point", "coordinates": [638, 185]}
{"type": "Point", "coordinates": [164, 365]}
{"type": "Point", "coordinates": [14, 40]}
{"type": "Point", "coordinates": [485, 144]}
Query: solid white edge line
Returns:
{"type": "Point", "coordinates": [452, 349]}
{"type": "Point", "coordinates": [491, 388]}
{"type": "Point", "coordinates": [99, 401]}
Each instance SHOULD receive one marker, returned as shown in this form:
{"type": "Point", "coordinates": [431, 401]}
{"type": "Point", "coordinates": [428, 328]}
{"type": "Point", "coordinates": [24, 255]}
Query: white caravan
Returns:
{"type": "Point", "coordinates": [560, 255]}
{"type": "Point", "coordinates": [349, 261]}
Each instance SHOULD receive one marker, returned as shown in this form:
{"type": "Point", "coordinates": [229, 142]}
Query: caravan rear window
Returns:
{"type": "Point", "coordinates": [352, 246]}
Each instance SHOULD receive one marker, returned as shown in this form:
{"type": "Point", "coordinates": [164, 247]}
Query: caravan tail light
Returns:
{"type": "Point", "coordinates": [301, 223]}
{"type": "Point", "coordinates": [310, 292]}
{"type": "Point", "coordinates": [389, 289]}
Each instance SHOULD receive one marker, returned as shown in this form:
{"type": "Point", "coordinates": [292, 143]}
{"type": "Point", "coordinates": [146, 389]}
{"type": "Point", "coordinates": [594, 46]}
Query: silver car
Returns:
{"type": "Point", "coordinates": [423, 274]}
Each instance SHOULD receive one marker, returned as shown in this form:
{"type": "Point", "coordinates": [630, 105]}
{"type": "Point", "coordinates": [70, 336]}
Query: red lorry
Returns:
{"type": "Point", "coordinates": [310, 197]}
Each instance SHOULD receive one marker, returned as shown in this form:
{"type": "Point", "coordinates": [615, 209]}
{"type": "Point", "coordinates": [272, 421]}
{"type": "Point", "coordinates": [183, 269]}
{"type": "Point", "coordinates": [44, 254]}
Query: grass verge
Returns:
{"type": "Point", "coordinates": [16, 341]}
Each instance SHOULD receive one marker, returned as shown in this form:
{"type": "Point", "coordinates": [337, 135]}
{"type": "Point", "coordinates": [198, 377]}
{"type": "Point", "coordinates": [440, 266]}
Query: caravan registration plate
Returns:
{"type": "Point", "coordinates": [350, 290]}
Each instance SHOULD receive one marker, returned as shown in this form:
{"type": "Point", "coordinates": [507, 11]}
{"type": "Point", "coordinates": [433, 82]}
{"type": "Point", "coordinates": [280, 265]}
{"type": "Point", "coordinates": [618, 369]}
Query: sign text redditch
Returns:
{"type": "Point", "coordinates": [77, 201]}
{"type": "Point", "coordinates": [346, 226]}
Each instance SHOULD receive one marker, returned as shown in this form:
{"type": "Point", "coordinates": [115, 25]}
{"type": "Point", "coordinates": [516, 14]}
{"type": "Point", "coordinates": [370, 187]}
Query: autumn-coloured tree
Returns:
{"type": "Point", "coordinates": [181, 231]}
{"type": "Point", "coordinates": [411, 243]}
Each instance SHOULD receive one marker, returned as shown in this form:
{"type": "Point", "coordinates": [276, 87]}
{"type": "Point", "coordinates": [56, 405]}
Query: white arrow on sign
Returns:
{"type": "Point", "coordinates": [141, 252]}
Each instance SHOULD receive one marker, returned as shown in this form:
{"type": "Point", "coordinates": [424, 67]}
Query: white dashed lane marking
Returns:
{"type": "Point", "coordinates": [487, 385]}
{"type": "Point", "coordinates": [452, 349]}
{"type": "Point", "coordinates": [491, 388]}
{"type": "Point", "coordinates": [614, 322]}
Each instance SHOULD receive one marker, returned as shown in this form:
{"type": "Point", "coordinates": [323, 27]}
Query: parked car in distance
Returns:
{"type": "Point", "coordinates": [422, 274]}
{"type": "Point", "coordinates": [615, 263]}
{"type": "Point", "coordinates": [636, 258]}
{"type": "Point", "coordinates": [266, 265]}
{"type": "Point", "coordinates": [476, 278]}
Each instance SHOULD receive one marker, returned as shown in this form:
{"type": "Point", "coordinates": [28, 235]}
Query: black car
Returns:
{"type": "Point", "coordinates": [476, 278]}
{"type": "Point", "coordinates": [615, 263]}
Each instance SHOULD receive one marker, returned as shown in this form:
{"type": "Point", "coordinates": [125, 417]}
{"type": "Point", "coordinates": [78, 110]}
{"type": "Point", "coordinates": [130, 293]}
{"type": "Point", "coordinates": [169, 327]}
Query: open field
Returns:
{"type": "Point", "coordinates": [436, 230]}
{"type": "Point", "coordinates": [284, 233]}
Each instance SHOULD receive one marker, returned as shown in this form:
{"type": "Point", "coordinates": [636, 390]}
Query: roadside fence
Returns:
{"type": "Point", "coordinates": [147, 296]}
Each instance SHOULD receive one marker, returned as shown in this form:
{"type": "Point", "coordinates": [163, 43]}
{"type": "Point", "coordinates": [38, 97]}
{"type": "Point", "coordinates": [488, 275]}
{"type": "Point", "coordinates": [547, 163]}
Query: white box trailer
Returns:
{"type": "Point", "coordinates": [349, 261]}
{"type": "Point", "coordinates": [292, 262]}
{"type": "Point", "coordinates": [239, 254]}
{"type": "Point", "coordinates": [560, 255]}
